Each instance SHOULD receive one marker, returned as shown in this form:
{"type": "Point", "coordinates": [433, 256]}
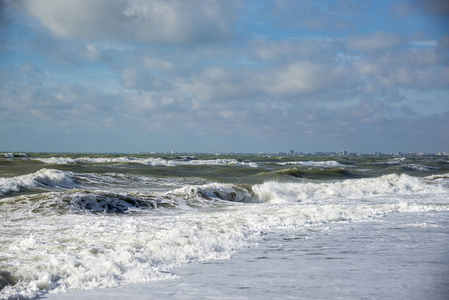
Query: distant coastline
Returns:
{"type": "Point", "coordinates": [12, 154]}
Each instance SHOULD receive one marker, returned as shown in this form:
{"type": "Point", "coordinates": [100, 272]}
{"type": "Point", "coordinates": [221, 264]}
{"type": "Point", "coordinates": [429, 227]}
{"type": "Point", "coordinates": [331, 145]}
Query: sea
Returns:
{"type": "Point", "coordinates": [156, 226]}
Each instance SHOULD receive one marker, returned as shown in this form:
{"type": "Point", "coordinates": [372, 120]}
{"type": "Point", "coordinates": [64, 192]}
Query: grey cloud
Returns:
{"type": "Point", "coordinates": [3, 14]}
{"type": "Point", "coordinates": [377, 41]}
{"type": "Point", "coordinates": [417, 68]}
{"type": "Point", "coordinates": [62, 104]}
{"type": "Point", "coordinates": [443, 44]}
{"type": "Point", "coordinates": [299, 13]}
{"type": "Point", "coordinates": [154, 21]}
{"type": "Point", "coordinates": [312, 15]}
{"type": "Point", "coordinates": [287, 50]}
{"type": "Point", "coordinates": [303, 77]}
{"type": "Point", "coordinates": [371, 123]}
{"type": "Point", "coordinates": [431, 7]}
{"type": "Point", "coordinates": [364, 123]}
{"type": "Point", "coordinates": [436, 7]}
{"type": "Point", "coordinates": [224, 84]}
{"type": "Point", "coordinates": [267, 70]}
{"type": "Point", "coordinates": [415, 57]}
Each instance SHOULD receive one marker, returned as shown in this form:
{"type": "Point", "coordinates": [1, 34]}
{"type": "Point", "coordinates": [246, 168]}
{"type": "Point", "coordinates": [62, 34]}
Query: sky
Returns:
{"type": "Point", "coordinates": [218, 76]}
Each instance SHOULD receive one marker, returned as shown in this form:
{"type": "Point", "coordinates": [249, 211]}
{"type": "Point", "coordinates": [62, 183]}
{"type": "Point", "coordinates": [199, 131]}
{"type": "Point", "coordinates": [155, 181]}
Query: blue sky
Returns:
{"type": "Point", "coordinates": [216, 76]}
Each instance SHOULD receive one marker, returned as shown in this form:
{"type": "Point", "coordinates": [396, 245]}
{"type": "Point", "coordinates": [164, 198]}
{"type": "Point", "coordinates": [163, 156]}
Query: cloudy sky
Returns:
{"type": "Point", "coordinates": [229, 75]}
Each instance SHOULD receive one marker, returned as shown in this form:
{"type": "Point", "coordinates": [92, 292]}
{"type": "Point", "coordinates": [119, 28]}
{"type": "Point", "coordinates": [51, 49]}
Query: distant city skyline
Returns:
{"type": "Point", "coordinates": [230, 153]}
{"type": "Point", "coordinates": [209, 76]}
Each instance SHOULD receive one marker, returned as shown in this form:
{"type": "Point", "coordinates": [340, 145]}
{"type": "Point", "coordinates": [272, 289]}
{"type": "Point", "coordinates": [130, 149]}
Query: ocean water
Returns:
{"type": "Point", "coordinates": [223, 227]}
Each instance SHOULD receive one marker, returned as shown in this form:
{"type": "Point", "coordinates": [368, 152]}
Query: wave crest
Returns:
{"type": "Point", "coordinates": [311, 163]}
{"type": "Point", "coordinates": [205, 194]}
{"type": "Point", "coordinates": [43, 178]}
{"type": "Point", "coordinates": [113, 202]}
{"type": "Point", "coordinates": [384, 186]}
{"type": "Point", "coordinates": [154, 162]}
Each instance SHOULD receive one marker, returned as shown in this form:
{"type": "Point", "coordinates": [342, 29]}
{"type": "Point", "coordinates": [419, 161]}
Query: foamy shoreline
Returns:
{"type": "Point", "coordinates": [315, 263]}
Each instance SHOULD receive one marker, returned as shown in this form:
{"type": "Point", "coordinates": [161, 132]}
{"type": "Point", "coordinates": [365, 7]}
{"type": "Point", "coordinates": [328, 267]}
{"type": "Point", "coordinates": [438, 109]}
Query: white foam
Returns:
{"type": "Point", "coordinates": [57, 160]}
{"type": "Point", "coordinates": [311, 163]}
{"type": "Point", "coordinates": [88, 252]}
{"type": "Point", "coordinates": [99, 251]}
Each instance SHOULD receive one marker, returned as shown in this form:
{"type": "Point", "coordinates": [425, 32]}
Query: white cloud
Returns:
{"type": "Point", "coordinates": [91, 52]}
{"type": "Point", "coordinates": [303, 77]}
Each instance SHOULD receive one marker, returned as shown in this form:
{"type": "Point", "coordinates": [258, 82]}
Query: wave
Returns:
{"type": "Point", "coordinates": [57, 160]}
{"type": "Point", "coordinates": [387, 187]}
{"type": "Point", "coordinates": [87, 250]}
{"type": "Point", "coordinates": [12, 155]}
{"type": "Point", "coordinates": [119, 192]}
{"type": "Point", "coordinates": [52, 179]}
{"type": "Point", "coordinates": [402, 164]}
{"type": "Point", "coordinates": [213, 193]}
{"type": "Point", "coordinates": [186, 198]}
{"type": "Point", "coordinates": [312, 173]}
{"type": "Point", "coordinates": [114, 202]}
{"type": "Point", "coordinates": [108, 250]}
{"type": "Point", "coordinates": [384, 186]}
{"type": "Point", "coordinates": [155, 162]}
{"type": "Point", "coordinates": [416, 167]}
{"type": "Point", "coordinates": [311, 163]}
{"type": "Point", "coordinates": [44, 179]}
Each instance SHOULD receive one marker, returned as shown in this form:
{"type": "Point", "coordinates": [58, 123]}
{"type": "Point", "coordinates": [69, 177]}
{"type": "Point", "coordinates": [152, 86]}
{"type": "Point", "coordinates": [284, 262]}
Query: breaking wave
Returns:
{"type": "Point", "coordinates": [311, 163]}
{"type": "Point", "coordinates": [155, 162]}
{"type": "Point", "coordinates": [89, 191]}
{"type": "Point", "coordinates": [51, 180]}
{"type": "Point", "coordinates": [313, 173]}
{"type": "Point", "coordinates": [385, 186]}
{"type": "Point", "coordinates": [11, 155]}
{"type": "Point", "coordinates": [43, 179]}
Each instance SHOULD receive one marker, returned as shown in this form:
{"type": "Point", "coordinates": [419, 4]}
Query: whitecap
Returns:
{"type": "Point", "coordinates": [311, 163]}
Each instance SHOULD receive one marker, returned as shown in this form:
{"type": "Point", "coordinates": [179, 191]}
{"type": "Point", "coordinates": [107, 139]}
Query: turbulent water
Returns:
{"type": "Point", "coordinates": [77, 221]}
